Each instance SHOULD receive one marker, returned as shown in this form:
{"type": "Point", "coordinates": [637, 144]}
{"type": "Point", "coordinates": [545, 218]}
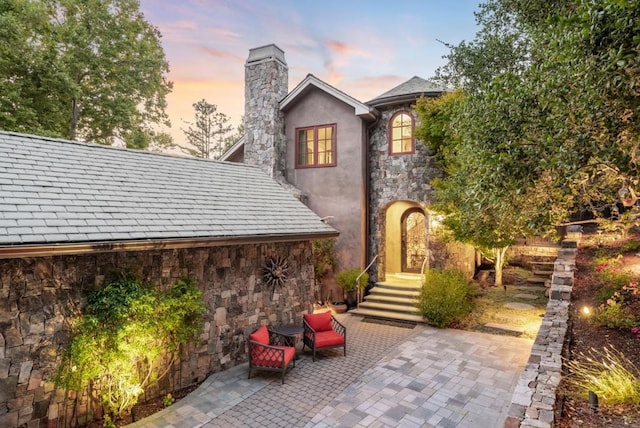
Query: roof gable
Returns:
{"type": "Point", "coordinates": [311, 81]}
{"type": "Point", "coordinates": [56, 191]}
{"type": "Point", "coordinates": [410, 90]}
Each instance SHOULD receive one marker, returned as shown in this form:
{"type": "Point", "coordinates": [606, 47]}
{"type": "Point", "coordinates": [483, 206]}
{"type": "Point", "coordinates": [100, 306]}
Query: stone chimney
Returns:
{"type": "Point", "coordinates": [265, 85]}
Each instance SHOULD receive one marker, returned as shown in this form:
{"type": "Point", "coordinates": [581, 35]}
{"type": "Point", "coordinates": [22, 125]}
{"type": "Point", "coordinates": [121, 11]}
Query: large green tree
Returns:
{"type": "Point", "coordinates": [82, 69]}
{"type": "Point", "coordinates": [208, 135]}
{"type": "Point", "coordinates": [548, 123]}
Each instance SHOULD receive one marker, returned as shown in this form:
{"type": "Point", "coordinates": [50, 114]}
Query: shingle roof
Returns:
{"type": "Point", "coordinates": [55, 191]}
{"type": "Point", "coordinates": [411, 89]}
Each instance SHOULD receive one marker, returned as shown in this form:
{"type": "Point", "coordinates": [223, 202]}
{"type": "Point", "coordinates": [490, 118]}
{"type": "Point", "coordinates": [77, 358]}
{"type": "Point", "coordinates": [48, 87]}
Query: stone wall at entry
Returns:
{"type": "Point", "coordinates": [40, 295]}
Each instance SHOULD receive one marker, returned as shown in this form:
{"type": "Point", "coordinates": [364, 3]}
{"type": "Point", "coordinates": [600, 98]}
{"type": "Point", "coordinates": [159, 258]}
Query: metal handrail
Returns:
{"type": "Point", "coordinates": [358, 295]}
{"type": "Point", "coordinates": [424, 263]}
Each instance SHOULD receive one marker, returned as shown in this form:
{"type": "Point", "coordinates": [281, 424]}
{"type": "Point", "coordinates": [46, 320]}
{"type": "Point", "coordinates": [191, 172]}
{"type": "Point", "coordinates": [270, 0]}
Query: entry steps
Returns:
{"type": "Point", "coordinates": [542, 272]}
{"type": "Point", "coordinates": [395, 298]}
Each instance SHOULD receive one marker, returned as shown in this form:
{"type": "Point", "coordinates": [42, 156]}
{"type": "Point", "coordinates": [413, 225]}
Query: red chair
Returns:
{"type": "Point", "coordinates": [264, 356]}
{"type": "Point", "coordinates": [323, 331]}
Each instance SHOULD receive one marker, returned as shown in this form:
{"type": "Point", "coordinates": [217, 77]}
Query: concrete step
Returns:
{"type": "Point", "coordinates": [537, 280]}
{"type": "Point", "coordinates": [533, 288]}
{"type": "Point", "coordinates": [405, 286]}
{"type": "Point", "coordinates": [382, 298]}
{"type": "Point", "coordinates": [539, 272]}
{"type": "Point", "coordinates": [543, 265]}
{"type": "Point", "coordinates": [386, 315]}
{"type": "Point", "coordinates": [396, 292]}
{"type": "Point", "coordinates": [388, 307]}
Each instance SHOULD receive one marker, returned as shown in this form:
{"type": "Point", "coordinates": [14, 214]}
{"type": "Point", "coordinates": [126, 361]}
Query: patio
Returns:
{"type": "Point", "coordinates": [391, 376]}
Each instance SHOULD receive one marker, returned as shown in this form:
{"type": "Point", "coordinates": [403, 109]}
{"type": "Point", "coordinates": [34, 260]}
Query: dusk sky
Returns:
{"type": "Point", "coordinates": [363, 48]}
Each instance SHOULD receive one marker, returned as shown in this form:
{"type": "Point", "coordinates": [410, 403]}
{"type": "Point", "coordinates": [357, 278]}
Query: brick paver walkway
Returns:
{"type": "Point", "coordinates": [391, 377]}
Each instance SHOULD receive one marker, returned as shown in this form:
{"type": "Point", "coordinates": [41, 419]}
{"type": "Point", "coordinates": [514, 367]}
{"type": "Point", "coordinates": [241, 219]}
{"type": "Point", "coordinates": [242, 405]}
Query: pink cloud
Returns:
{"type": "Point", "coordinates": [345, 49]}
{"type": "Point", "coordinates": [217, 53]}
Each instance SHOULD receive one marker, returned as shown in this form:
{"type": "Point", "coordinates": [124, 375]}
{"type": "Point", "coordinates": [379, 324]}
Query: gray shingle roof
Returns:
{"type": "Point", "coordinates": [411, 89]}
{"type": "Point", "coordinates": [55, 191]}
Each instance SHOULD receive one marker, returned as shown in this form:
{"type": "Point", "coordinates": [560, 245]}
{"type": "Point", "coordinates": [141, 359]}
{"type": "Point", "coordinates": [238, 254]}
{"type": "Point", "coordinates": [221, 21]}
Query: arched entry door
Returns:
{"type": "Point", "coordinates": [414, 236]}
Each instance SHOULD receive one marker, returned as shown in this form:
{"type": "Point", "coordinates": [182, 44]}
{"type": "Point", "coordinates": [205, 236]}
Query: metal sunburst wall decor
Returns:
{"type": "Point", "coordinates": [275, 272]}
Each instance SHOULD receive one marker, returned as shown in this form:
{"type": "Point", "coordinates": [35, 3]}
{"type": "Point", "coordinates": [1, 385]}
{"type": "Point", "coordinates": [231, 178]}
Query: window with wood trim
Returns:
{"type": "Point", "coordinates": [316, 146]}
{"type": "Point", "coordinates": [401, 139]}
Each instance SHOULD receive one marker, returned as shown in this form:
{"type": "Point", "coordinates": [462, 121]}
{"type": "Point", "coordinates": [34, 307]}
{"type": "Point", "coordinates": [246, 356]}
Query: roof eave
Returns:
{"type": "Point", "coordinates": [360, 109]}
{"type": "Point", "coordinates": [235, 148]}
{"type": "Point", "coordinates": [400, 99]}
{"type": "Point", "coordinates": [75, 248]}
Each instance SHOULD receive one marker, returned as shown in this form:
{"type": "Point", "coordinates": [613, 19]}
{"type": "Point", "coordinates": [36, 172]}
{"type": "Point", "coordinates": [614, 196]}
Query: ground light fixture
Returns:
{"type": "Point", "coordinates": [593, 401]}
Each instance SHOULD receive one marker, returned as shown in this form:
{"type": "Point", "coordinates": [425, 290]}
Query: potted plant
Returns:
{"type": "Point", "coordinates": [337, 307]}
{"type": "Point", "coordinates": [349, 282]}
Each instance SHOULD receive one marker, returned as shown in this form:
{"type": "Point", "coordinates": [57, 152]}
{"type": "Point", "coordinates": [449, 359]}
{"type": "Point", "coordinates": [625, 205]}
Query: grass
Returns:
{"type": "Point", "coordinates": [609, 374]}
{"type": "Point", "coordinates": [489, 308]}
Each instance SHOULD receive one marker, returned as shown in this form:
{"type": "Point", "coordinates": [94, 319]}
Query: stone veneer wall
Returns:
{"type": "Point", "coordinates": [39, 295]}
{"type": "Point", "coordinates": [532, 404]}
{"type": "Point", "coordinates": [392, 178]}
{"type": "Point", "coordinates": [266, 84]}
{"type": "Point", "coordinates": [532, 252]}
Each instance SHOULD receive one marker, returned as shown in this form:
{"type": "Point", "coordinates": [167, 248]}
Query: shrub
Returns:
{"type": "Point", "coordinates": [603, 259]}
{"type": "Point", "coordinates": [613, 282]}
{"type": "Point", "coordinates": [630, 245]}
{"type": "Point", "coordinates": [609, 374]}
{"type": "Point", "coordinates": [613, 315]}
{"type": "Point", "coordinates": [124, 328]}
{"type": "Point", "coordinates": [445, 297]}
{"type": "Point", "coordinates": [324, 258]}
{"type": "Point", "coordinates": [347, 279]}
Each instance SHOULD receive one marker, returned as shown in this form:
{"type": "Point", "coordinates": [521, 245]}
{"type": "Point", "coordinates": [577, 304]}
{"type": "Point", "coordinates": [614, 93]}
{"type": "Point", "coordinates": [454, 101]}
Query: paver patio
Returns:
{"type": "Point", "coordinates": [391, 377]}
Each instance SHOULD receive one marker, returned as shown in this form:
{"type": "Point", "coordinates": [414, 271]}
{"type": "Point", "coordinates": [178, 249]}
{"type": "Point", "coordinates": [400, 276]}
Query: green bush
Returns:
{"type": "Point", "coordinates": [446, 297]}
{"type": "Point", "coordinates": [614, 315]}
{"type": "Point", "coordinates": [324, 258]}
{"type": "Point", "coordinates": [347, 279]}
{"type": "Point", "coordinates": [612, 281]}
{"type": "Point", "coordinates": [123, 330]}
{"type": "Point", "coordinates": [630, 245]}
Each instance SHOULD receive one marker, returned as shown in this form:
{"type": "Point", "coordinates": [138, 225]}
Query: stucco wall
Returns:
{"type": "Point", "coordinates": [336, 191]}
{"type": "Point", "coordinates": [39, 295]}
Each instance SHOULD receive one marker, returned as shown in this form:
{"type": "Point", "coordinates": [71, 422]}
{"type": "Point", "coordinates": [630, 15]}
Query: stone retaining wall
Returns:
{"type": "Point", "coordinates": [531, 252]}
{"type": "Point", "coordinates": [532, 404]}
{"type": "Point", "coordinates": [39, 296]}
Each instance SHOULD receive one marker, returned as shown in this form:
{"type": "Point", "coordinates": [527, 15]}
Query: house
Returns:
{"type": "Point", "coordinates": [356, 164]}
{"type": "Point", "coordinates": [71, 213]}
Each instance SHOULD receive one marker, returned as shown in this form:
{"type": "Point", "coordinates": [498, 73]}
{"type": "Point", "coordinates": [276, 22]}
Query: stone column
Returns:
{"type": "Point", "coordinates": [266, 84]}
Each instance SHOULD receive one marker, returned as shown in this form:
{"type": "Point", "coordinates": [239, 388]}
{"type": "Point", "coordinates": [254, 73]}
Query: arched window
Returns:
{"type": "Point", "coordinates": [401, 134]}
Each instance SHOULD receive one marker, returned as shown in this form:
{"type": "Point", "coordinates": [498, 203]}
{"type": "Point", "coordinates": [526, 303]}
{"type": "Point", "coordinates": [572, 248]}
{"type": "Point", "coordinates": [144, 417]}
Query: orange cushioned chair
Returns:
{"type": "Point", "coordinates": [323, 331]}
{"type": "Point", "coordinates": [264, 356]}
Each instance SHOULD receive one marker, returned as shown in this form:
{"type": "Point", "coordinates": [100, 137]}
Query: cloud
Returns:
{"type": "Point", "coordinates": [365, 88]}
{"type": "Point", "coordinates": [217, 53]}
{"type": "Point", "coordinates": [345, 49]}
{"type": "Point", "coordinates": [337, 56]}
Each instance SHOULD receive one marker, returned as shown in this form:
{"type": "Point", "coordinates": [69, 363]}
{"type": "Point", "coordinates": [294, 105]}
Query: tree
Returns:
{"type": "Point", "coordinates": [485, 203]}
{"type": "Point", "coordinates": [548, 121]}
{"type": "Point", "coordinates": [91, 70]}
{"type": "Point", "coordinates": [208, 135]}
{"type": "Point", "coordinates": [235, 136]}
